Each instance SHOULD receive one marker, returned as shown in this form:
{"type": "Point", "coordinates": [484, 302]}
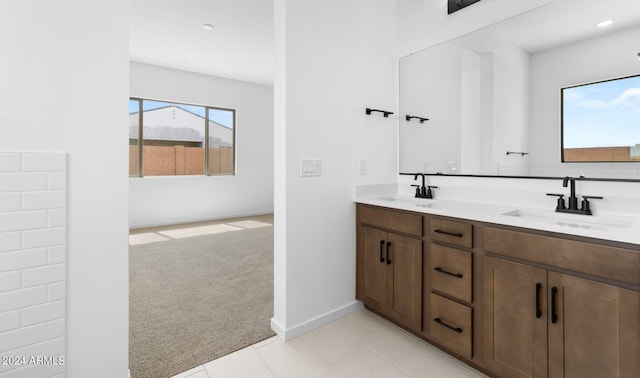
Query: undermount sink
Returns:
{"type": "Point", "coordinates": [569, 220]}
{"type": "Point", "coordinates": [419, 202]}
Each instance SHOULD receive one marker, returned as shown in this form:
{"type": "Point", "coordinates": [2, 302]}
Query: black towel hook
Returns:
{"type": "Point", "coordinates": [410, 117]}
{"type": "Point", "coordinates": [384, 112]}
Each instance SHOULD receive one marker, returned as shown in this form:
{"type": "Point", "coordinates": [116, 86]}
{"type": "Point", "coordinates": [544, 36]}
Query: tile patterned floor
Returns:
{"type": "Point", "coordinates": [358, 345]}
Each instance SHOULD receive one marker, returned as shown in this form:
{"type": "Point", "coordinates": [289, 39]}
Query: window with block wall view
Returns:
{"type": "Point", "coordinates": [175, 139]}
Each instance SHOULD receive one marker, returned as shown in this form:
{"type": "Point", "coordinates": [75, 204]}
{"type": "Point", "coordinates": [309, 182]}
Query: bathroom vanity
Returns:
{"type": "Point", "coordinates": [502, 280]}
{"type": "Point", "coordinates": [507, 291]}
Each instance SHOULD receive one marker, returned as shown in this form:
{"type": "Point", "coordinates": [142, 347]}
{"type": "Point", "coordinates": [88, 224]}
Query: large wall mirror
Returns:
{"type": "Point", "coordinates": [493, 97]}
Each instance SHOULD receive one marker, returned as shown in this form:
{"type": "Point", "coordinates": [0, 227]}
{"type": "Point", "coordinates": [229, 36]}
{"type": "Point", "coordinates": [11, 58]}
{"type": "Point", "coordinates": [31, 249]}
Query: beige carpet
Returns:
{"type": "Point", "coordinates": [197, 293]}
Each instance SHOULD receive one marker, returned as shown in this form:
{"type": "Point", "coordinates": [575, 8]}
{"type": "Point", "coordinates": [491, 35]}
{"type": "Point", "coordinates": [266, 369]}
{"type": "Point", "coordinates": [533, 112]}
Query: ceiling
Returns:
{"type": "Point", "coordinates": [169, 33]}
{"type": "Point", "coordinates": [568, 21]}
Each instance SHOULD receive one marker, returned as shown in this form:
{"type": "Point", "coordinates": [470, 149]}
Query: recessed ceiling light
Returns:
{"type": "Point", "coordinates": [604, 24]}
{"type": "Point", "coordinates": [207, 27]}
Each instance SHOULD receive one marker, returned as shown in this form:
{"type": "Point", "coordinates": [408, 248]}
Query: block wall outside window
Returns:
{"type": "Point", "coordinates": [176, 139]}
{"type": "Point", "coordinates": [32, 264]}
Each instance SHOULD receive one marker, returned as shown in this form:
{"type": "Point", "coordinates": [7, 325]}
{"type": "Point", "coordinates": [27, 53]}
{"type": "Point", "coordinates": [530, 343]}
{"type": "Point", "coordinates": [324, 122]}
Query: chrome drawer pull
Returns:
{"type": "Point", "coordinates": [438, 269]}
{"type": "Point", "coordinates": [439, 321]}
{"type": "Point", "coordinates": [455, 234]}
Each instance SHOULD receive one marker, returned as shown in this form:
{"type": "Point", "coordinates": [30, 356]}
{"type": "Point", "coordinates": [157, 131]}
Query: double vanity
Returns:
{"type": "Point", "coordinates": [500, 259]}
{"type": "Point", "coordinates": [510, 290]}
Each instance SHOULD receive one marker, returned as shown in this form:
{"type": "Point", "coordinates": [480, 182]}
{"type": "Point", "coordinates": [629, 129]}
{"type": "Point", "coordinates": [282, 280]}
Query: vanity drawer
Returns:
{"type": "Point", "coordinates": [451, 272]}
{"type": "Point", "coordinates": [451, 325]}
{"type": "Point", "coordinates": [594, 259]}
{"type": "Point", "coordinates": [391, 220]}
{"type": "Point", "coordinates": [452, 232]}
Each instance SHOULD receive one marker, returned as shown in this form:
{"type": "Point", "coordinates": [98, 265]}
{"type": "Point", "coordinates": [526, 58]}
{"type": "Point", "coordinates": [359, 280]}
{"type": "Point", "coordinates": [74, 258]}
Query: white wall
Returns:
{"type": "Point", "coordinates": [64, 75]}
{"type": "Point", "coordinates": [607, 57]}
{"type": "Point", "coordinates": [168, 200]}
{"type": "Point", "coordinates": [333, 60]}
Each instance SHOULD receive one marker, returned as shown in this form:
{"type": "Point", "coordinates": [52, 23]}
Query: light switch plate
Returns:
{"type": "Point", "coordinates": [362, 167]}
{"type": "Point", "coordinates": [310, 167]}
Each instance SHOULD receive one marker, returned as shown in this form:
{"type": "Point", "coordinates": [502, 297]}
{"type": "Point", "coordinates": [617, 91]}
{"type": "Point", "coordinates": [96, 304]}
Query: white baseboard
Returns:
{"type": "Point", "coordinates": [291, 333]}
{"type": "Point", "coordinates": [217, 217]}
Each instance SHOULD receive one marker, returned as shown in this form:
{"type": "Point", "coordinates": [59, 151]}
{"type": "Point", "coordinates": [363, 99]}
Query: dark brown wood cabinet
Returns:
{"type": "Point", "coordinates": [452, 325]}
{"type": "Point", "coordinates": [515, 319]}
{"type": "Point", "coordinates": [595, 331]}
{"type": "Point", "coordinates": [451, 271]}
{"type": "Point", "coordinates": [391, 274]}
{"type": "Point", "coordinates": [512, 302]}
{"type": "Point", "coordinates": [448, 310]}
{"type": "Point", "coordinates": [541, 323]}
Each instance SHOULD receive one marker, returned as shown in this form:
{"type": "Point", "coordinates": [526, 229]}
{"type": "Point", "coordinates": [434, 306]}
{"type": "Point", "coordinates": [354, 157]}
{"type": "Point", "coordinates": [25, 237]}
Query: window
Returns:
{"type": "Point", "coordinates": [600, 121]}
{"type": "Point", "coordinates": [173, 139]}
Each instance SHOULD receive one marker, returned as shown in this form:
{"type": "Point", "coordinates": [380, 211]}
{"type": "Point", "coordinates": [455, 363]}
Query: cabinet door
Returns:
{"type": "Point", "coordinates": [375, 268]}
{"type": "Point", "coordinates": [405, 280]}
{"type": "Point", "coordinates": [596, 330]}
{"type": "Point", "coordinates": [515, 319]}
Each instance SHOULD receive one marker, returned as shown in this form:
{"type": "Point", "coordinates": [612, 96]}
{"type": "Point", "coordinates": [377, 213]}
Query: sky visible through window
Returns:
{"type": "Point", "coordinates": [223, 117]}
{"type": "Point", "coordinates": [605, 114]}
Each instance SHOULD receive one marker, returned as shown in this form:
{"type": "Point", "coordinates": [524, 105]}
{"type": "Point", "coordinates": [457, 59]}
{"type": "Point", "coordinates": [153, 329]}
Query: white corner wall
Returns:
{"type": "Point", "coordinates": [64, 74]}
{"type": "Point", "coordinates": [333, 60]}
{"type": "Point", "coordinates": [168, 200]}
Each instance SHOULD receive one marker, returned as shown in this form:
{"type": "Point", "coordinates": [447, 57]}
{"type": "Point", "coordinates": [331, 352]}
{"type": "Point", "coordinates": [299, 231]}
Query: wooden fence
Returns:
{"type": "Point", "coordinates": [599, 154]}
{"type": "Point", "coordinates": [180, 160]}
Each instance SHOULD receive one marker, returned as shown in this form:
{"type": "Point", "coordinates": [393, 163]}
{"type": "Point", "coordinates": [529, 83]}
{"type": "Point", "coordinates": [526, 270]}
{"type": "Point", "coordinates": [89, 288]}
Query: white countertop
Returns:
{"type": "Point", "coordinates": [615, 227]}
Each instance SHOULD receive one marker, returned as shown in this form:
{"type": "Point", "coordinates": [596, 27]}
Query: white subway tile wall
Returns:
{"type": "Point", "coordinates": [32, 264]}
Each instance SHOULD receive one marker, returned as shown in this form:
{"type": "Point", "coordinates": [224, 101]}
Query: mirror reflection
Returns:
{"type": "Point", "coordinates": [493, 97]}
{"type": "Point", "coordinates": [600, 121]}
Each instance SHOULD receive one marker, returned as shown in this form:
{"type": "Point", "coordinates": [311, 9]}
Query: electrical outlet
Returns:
{"type": "Point", "coordinates": [362, 167]}
{"type": "Point", "coordinates": [310, 167]}
{"type": "Point", "coordinates": [453, 167]}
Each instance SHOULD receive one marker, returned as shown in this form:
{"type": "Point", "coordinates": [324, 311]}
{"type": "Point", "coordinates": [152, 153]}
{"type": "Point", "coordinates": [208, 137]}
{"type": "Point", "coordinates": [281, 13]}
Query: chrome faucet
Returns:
{"type": "Point", "coordinates": [585, 207]}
